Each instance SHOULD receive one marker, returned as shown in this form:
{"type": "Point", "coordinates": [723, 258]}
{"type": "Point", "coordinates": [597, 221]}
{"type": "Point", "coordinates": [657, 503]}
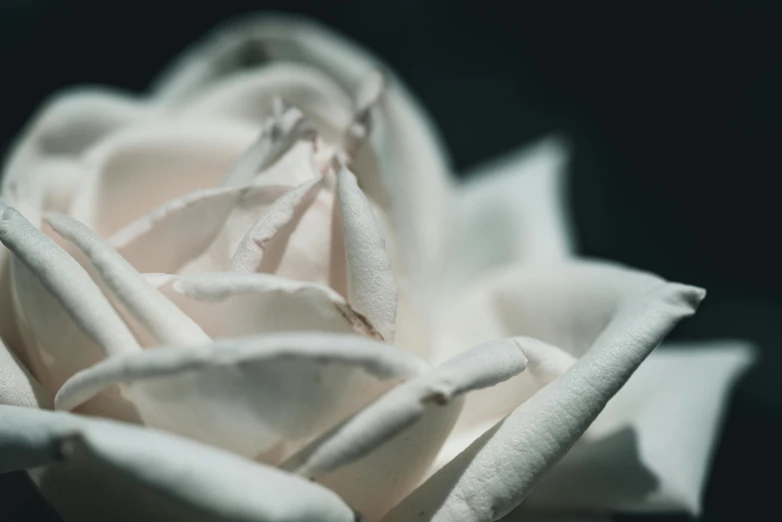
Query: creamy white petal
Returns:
{"type": "Point", "coordinates": [140, 168]}
{"type": "Point", "coordinates": [159, 315]}
{"type": "Point", "coordinates": [261, 397]}
{"type": "Point", "coordinates": [48, 284]}
{"type": "Point", "coordinates": [376, 457]}
{"type": "Point", "coordinates": [371, 285]}
{"type": "Point", "coordinates": [104, 470]}
{"type": "Point", "coordinates": [653, 442]}
{"type": "Point", "coordinates": [231, 304]}
{"type": "Point", "coordinates": [17, 386]}
{"type": "Point", "coordinates": [494, 474]}
{"type": "Point", "coordinates": [512, 209]}
{"type": "Point", "coordinates": [182, 229]}
{"type": "Point", "coordinates": [249, 254]}
{"type": "Point", "coordinates": [65, 126]}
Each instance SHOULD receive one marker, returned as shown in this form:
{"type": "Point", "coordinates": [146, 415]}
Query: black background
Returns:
{"type": "Point", "coordinates": [673, 109]}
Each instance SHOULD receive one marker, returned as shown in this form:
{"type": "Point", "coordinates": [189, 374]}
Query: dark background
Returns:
{"type": "Point", "coordinates": [674, 111]}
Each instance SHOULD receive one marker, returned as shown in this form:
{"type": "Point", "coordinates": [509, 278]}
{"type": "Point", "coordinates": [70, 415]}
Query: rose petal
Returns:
{"type": "Point", "coordinates": [67, 321]}
{"type": "Point", "coordinates": [159, 316]}
{"type": "Point", "coordinates": [497, 471]}
{"type": "Point", "coordinates": [250, 96]}
{"type": "Point", "coordinates": [229, 304]}
{"type": "Point", "coordinates": [103, 470]}
{"type": "Point", "coordinates": [371, 285]}
{"type": "Point", "coordinates": [142, 167]}
{"type": "Point", "coordinates": [512, 209]}
{"type": "Point", "coordinates": [671, 406]}
{"type": "Point", "coordinates": [17, 386]}
{"type": "Point", "coordinates": [261, 397]}
{"type": "Point", "coordinates": [376, 457]}
{"type": "Point", "coordinates": [65, 126]}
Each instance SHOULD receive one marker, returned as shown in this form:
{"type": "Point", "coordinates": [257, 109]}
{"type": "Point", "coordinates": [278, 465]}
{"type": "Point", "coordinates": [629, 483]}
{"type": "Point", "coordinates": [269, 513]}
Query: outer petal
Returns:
{"type": "Point", "coordinates": [103, 470]}
{"type": "Point", "coordinates": [64, 127]}
{"type": "Point", "coordinates": [494, 474]}
{"type": "Point", "coordinates": [653, 441]}
{"type": "Point", "coordinates": [66, 321]}
{"type": "Point", "coordinates": [381, 453]}
{"type": "Point", "coordinates": [261, 397]}
{"type": "Point", "coordinates": [139, 169]}
{"type": "Point", "coordinates": [513, 209]}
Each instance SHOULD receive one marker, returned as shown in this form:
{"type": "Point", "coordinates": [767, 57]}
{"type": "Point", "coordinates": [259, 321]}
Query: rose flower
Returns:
{"type": "Point", "coordinates": [258, 294]}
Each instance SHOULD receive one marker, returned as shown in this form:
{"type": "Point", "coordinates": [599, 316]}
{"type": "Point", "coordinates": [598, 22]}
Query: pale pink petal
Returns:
{"type": "Point", "coordinates": [381, 453]}
{"type": "Point", "coordinates": [67, 323]}
{"type": "Point", "coordinates": [249, 254]}
{"type": "Point", "coordinates": [158, 315]}
{"type": "Point", "coordinates": [231, 304]}
{"type": "Point", "coordinates": [371, 285]}
{"type": "Point", "coordinates": [510, 210]}
{"type": "Point", "coordinates": [492, 476]}
{"type": "Point", "coordinates": [140, 168]}
{"type": "Point", "coordinates": [182, 229]}
{"type": "Point", "coordinates": [98, 470]}
{"type": "Point", "coordinates": [261, 397]}
{"type": "Point", "coordinates": [654, 440]}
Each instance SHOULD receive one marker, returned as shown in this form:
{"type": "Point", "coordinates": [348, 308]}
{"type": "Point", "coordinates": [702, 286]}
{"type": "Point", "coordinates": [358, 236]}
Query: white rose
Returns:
{"type": "Point", "coordinates": [217, 268]}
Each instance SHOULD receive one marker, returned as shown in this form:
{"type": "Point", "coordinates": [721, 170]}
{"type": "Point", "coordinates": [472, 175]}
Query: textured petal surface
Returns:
{"type": "Point", "coordinates": [17, 386]}
{"type": "Point", "coordinates": [66, 321]}
{"type": "Point", "coordinates": [649, 450]}
{"type": "Point", "coordinates": [103, 470]}
{"type": "Point", "coordinates": [142, 167]}
{"type": "Point", "coordinates": [512, 209]}
{"type": "Point", "coordinates": [261, 397]}
{"type": "Point", "coordinates": [381, 453]}
{"type": "Point", "coordinates": [495, 473]}
{"type": "Point", "coordinates": [371, 285]}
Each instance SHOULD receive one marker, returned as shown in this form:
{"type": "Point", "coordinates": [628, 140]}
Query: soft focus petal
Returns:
{"type": "Point", "coordinates": [649, 450]}
{"type": "Point", "coordinates": [67, 323]}
{"type": "Point", "coordinates": [229, 304]}
{"type": "Point", "coordinates": [64, 127]}
{"type": "Point", "coordinates": [494, 474]}
{"type": "Point", "coordinates": [140, 168]}
{"type": "Point", "coordinates": [512, 209]}
{"type": "Point", "coordinates": [381, 453]}
{"type": "Point", "coordinates": [261, 397]}
{"type": "Point", "coordinates": [17, 386]}
{"type": "Point", "coordinates": [103, 470]}
{"type": "Point", "coordinates": [371, 285]}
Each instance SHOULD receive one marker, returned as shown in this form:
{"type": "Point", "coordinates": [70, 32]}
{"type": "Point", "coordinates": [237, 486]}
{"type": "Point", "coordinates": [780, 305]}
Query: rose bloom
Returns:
{"type": "Point", "coordinates": [258, 294]}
